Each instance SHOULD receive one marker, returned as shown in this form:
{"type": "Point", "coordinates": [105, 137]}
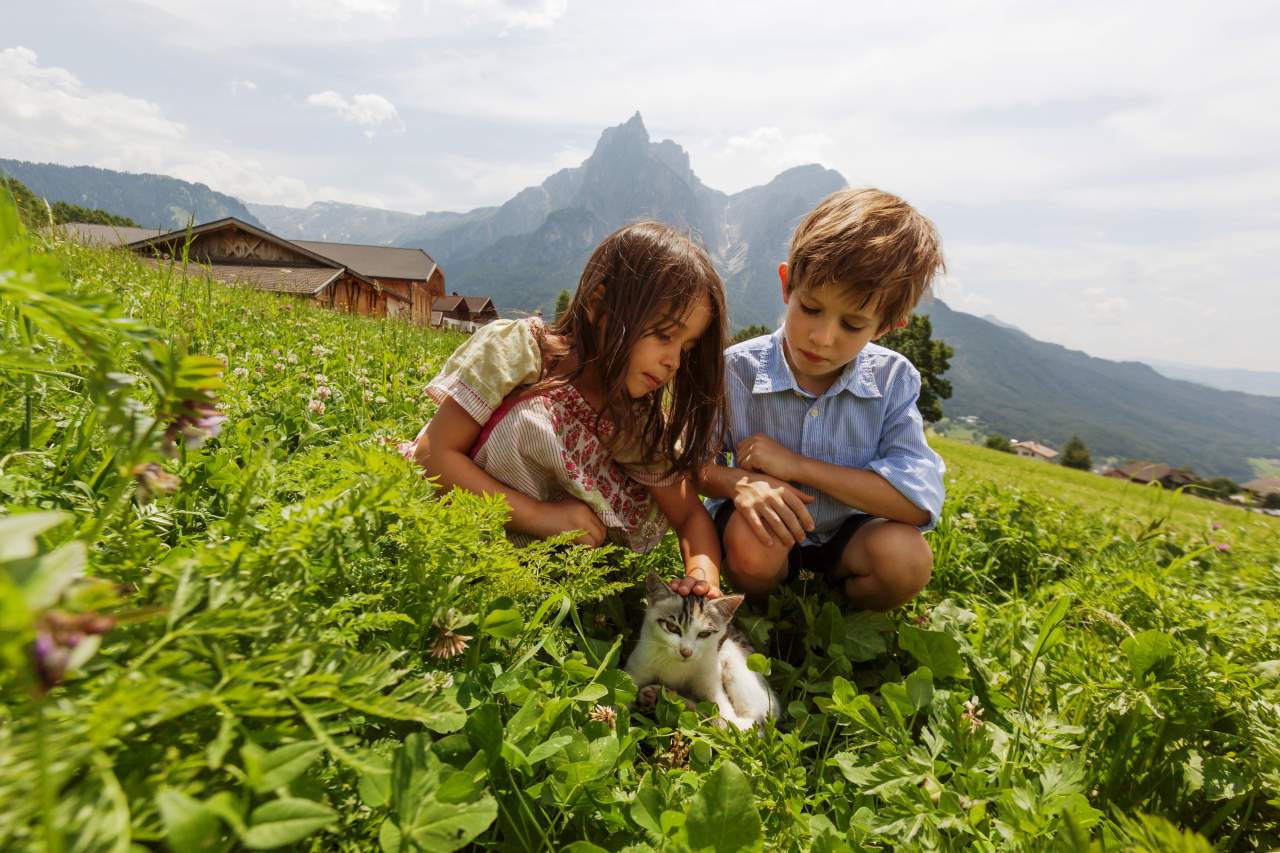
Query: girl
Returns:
{"type": "Point", "coordinates": [599, 422]}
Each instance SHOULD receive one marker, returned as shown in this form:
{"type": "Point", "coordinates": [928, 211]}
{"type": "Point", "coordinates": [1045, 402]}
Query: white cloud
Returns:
{"type": "Point", "coordinates": [520, 14]}
{"type": "Point", "coordinates": [369, 111]}
{"type": "Point", "coordinates": [247, 85]}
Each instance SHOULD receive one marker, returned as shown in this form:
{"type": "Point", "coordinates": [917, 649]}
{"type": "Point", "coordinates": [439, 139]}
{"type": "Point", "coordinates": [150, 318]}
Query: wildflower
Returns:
{"type": "Point", "coordinates": [1223, 547]}
{"type": "Point", "coordinates": [972, 714]}
{"type": "Point", "coordinates": [322, 392]}
{"type": "Point", "coordinates": [318, 351]}
{"type": "Point", "coordinates": [678, 754]}
{"type": "Point", "coordinates": [154, 480]}
{"type": "Point", "coordinates": [1217, 525]}
{"type": "Point", "coordinates": [222, 357]}
{"type": "Point", "coordinates": [280, 365]}
{"type": "Point", "coordinates": [57, 636]}
{"type": "Point", "coordinates": [450, 643]}
{"type": "Point", "coordinates": [601, 620]}
{"type": "Point", "coordinates": [380, 400]}
{"type": "Point", "coordinates": [805, 575]}
{"type": "Point", "coordinates": [321, 379]}
{"type": "Point", "coordinates": [315, 336]}
{"type": "Point", "coordinates": [316, 407]}
{"type": "Point", "coordinates": [276, 353]}
{"type": "Point", "coordinates": [366, 395]}
{"type": "Point", "coordinates": [438, 680]}
{"type": "Point", "coordinates": [604, 714]}
{"type": "Point", "coordinates": [200, 420]}
{"type": "Point", "coordinates": [232, 346]}
{"type": "Point", "coordinates": [240, 372]}
{"type": "Point", "coordinates": [362, 379]}
{"type": "Point", "coordinates": [291, 358]}
{"type": "Point", "coordinates": [922, 619]}
{"type": "Point", "coordinates": [350, 358]}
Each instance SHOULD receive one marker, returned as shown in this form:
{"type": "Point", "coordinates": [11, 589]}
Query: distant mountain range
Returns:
{"type": "Point", "coordinates": [1226, 378]}
{"type": "Point", "coordinates": [524, 252]}
{"type": "Point", "coordinates": [152, 201]}
{"type": "Point", "coordinates": [1029, 389]}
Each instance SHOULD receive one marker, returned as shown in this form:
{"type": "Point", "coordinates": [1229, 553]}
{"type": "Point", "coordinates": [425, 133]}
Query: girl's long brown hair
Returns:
{"type": "Point", "coordinates": [640, 278]}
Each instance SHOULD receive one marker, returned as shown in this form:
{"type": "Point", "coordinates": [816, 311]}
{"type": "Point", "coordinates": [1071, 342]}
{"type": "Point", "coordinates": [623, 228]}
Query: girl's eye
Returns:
{"type": "Point", "coordinates": [702, 635]}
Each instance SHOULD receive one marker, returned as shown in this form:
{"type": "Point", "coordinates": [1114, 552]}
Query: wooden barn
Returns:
{"type": "Point", "coordinates": [380, 281]}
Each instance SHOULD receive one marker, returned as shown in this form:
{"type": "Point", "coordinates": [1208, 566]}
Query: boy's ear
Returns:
{"type": "Point", "coordinates": [890, 327]}
{"type": "Point", "coordinates": [784, 276]}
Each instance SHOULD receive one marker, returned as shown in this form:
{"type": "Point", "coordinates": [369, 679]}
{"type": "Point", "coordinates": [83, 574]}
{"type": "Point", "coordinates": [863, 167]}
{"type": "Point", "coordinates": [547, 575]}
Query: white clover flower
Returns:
{"type": "Point", "coordinates": [316, 407]}
{"type": "Point", "coordinates": [321, 379]}
{"type": "Point", "coordinates": [322, 392]}
{"type": "Point", "coordinates": [291, 358]}
{"type": "Point", "coordinates": [366, 395]}
{"type": "Point", "coordinates": [240, 372]}
{"type": "Point", "coordinates": [380, 400]}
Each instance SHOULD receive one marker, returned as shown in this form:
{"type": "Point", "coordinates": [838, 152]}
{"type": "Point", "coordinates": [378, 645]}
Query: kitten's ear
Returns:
{"type": "Point", "coordinates": [727, 606]}
{"type": "Point", "coordinates": [656, 587]}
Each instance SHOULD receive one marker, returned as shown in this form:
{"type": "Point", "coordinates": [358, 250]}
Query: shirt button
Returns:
{"type": "Point", "coordinates": [813, 413]}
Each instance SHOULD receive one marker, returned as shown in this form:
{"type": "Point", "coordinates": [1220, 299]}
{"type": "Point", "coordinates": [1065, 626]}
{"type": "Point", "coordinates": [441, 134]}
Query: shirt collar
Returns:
{"type": "Point", "coordinates": [774, 374]}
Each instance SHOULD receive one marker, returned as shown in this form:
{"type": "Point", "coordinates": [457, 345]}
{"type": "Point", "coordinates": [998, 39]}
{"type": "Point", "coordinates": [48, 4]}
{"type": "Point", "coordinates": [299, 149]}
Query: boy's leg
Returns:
{"type": "Point", "coordinates": [884, 565]}
{"type": "Point", "coordinates": [753, 567]}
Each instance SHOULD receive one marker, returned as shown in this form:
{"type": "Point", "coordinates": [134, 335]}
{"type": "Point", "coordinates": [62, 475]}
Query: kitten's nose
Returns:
{"type": "Point", "coordinates": [688, 653]}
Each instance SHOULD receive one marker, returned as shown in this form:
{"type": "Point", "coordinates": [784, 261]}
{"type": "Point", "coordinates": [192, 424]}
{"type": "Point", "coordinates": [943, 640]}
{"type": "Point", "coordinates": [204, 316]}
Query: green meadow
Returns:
{"type": "Point", "coordinates": [232, 617]}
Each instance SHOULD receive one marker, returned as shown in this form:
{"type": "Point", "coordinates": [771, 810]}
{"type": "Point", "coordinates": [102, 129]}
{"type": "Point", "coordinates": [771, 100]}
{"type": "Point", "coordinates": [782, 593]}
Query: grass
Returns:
{"type": "Point", "coordinates": [1093, 666]}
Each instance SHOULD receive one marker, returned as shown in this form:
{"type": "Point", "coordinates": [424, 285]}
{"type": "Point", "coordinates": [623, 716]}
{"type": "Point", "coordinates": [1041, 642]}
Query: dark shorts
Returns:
{"type": "Point", "coordinates": [819, 559]}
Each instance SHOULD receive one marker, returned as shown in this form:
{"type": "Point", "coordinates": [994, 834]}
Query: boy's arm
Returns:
{"type": "Point", "coordinates": [699, 545]}
{"type": "Point", "coordinates": [903, 483]}
{"type": "Point", "coordinates": [771, 506]}
{"type": "Point", "coordinates": [443, 452]}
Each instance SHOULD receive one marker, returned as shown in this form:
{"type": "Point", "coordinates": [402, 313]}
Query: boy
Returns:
{"type": "Point", "coordinates": [831, 473]}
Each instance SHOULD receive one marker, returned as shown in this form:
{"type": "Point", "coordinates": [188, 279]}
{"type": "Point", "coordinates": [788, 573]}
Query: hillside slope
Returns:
{"type": "Point", "coordinates": [152, 201]}
{"type": "Point", "coordinates": [1026, 388]}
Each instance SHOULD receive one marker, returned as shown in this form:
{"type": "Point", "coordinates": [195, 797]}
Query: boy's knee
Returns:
{"type": "Point", "coordinates": [896, 563]}
{"type": "Point", "coordinates": [752, 566]}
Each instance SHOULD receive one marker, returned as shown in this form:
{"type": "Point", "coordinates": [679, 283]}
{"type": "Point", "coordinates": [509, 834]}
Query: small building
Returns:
{"type": "Point", "coordinates": [1034, 450]}
{"type": "Point", "coordinates": [1263, 486]}
{"type": "Point", "coordinates": [465, 313]}
{"type": "Point", "coordinates": [408, 273]}
{"type": "Point", "coordinates": [1154, 472]}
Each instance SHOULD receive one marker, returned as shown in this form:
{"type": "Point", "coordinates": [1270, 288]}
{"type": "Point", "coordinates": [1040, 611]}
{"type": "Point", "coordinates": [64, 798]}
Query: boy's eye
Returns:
{"type": "Point", "coordinates": [809, 309]}
{"type": "Point", "coordinates": [702, 635]}
{"type": "Point", "coordinates": [850, 327]}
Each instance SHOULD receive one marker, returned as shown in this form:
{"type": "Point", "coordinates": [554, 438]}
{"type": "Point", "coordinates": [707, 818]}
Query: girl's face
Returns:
{"type": "Point", "coordinates": [656, 356]}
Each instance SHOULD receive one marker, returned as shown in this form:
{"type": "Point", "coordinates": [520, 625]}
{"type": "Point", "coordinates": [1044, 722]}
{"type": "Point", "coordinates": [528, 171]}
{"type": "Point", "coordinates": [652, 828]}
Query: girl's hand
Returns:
{"type": "Point", "coordinates": [570, 514]}
{"type": "Point", "coordinates": [762, 453]}
{"type": "Point", "coordinates": [772, 508]}
{"type": "Point", "coordinates": [689, 585]}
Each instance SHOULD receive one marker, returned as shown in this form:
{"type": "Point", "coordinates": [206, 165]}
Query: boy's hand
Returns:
{"type": "Point", "coordinates": [570, 514]}
{"type": "Point", "coordinates": [764, 454]}
{"type": "Point", "coordinates": [772, 508]}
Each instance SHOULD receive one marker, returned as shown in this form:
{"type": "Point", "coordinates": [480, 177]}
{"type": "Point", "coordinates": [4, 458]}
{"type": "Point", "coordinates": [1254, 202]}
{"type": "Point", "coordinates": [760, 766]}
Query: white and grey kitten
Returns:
{"type": "Point", "coordinates": [690, 645]}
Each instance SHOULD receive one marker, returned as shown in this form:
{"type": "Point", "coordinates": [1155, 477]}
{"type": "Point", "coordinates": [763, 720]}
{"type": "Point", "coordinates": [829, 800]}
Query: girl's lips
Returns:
{"type": "Point", "coordinates": [653, 381]}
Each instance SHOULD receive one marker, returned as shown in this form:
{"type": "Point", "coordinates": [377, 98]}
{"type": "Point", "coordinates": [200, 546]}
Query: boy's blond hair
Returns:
{"type": "Point", "coordinates": [870, 243]}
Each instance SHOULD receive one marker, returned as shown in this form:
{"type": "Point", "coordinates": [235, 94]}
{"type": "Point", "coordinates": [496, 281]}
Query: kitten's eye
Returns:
{"type": "Point", "coordinates": [702, 635]}
{"type": "Point", "coordinates": [670, 626]}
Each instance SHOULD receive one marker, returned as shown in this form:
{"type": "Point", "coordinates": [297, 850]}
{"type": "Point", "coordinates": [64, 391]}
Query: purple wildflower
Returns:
{"type": "Point", "coordinates": [57, 635]}
{"type": "Point", "coordinates": [1216, 526]}
{"type": "Point", "coordinates": [1223, 547]}
{"type": "Point", "coordinates": [154, 480]}
{"type": "Point", "coordinates": [198, 421]}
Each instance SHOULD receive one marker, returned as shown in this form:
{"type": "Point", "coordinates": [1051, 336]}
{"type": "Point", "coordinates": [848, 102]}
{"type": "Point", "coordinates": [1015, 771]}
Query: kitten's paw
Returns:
{"type": "Point", "coordinates": [648, 695]}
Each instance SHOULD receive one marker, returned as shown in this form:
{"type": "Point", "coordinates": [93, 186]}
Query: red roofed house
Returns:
{"type": "Point", "coordinates": [1034, 450]}
{"type": "Point", "coordinates": [467, 313]}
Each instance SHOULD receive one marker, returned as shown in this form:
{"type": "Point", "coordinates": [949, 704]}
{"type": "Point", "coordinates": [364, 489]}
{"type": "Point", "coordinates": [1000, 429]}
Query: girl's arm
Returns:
{"type": "Point", "coordinates": [443, 451]}
{"type": "Point", "coordinates": [699, 545]}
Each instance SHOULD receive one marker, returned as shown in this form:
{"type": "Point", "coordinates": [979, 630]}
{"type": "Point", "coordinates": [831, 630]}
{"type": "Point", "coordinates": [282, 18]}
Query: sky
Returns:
{"type": "Point", "coordinates": [1104, 175]}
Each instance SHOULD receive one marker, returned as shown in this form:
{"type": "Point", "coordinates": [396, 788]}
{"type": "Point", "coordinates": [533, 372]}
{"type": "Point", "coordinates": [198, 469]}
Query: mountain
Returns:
{"type": "Point", "coordinates": [524, 252]}
{"type": "Point", "coordinates": [152, 201]}
{"type": "Point", "coordinates": [1026, 388]}
{"type": "Point", "coordinates": [1225, 378]}
{"type": "Point", "coordinates": [337, 222]}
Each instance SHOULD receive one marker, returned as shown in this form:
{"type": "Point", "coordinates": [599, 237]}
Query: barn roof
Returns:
{"type": "Point", "coordinates": [107, 235]}
{"type": "Point", "coordinates": [278, 279]}
{"type": "Point", "coordinates": [375, 261]}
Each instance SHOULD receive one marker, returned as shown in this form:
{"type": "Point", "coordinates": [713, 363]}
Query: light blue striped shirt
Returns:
{"type": "Point", "coordinates": [867, 419]}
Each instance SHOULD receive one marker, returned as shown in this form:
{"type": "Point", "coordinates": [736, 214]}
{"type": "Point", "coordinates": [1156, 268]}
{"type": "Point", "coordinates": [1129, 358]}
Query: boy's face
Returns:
{"type": "Point", "coordinates": [824, 329]}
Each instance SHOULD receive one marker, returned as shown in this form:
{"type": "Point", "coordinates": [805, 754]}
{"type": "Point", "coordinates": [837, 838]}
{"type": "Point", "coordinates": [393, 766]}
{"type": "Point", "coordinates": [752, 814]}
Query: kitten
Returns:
{"type": "Point", "coordinates": [691, 646]}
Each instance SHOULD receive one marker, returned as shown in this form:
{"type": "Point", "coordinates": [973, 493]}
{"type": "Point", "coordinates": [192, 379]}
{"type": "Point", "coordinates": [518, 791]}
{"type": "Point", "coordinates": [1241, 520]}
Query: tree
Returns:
{"type": "Point", "coordinates": [1271, 501]}
{"type": "Point", "coordinates": [1076, 455]}
{"type": "Point", "coordinates": [749, 332]}
{"type": "Point", "coordinates": [562, 304]}
{"type": "Point", "coordinates": [1218, 487]}
{"type": "Point", "coordinates": [931, 358]}
{"type": "Point", "coordinates": [996, 441]}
